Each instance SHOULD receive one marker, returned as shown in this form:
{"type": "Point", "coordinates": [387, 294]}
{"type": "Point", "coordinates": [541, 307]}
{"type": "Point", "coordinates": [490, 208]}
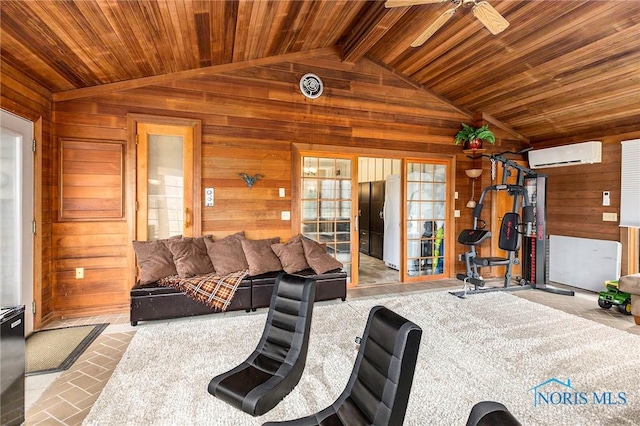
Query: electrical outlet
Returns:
{"type": "Point", "coordinates": [79, 273]}
{"type": "Point", "coordinates": [281, 193]}
{"type": "Point", "coordinates": [609, 217]}
{"type": "Point", "coordinates": [285, 215]}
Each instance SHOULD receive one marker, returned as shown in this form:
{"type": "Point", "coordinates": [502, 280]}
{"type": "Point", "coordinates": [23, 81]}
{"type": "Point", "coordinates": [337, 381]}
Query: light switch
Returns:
{"type": "Point", "coordinates": [456, 213]}
{"type": "Point", "coordinates": [208, 197]}
{"type": "Point", "coordinates": [285, 215]}
{"type": "Point", "coordinates": [281, 192]}
{"type": "Point", "coordinates": [606, 198]}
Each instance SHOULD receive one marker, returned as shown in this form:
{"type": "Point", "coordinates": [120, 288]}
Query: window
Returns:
{"type": "Point", "coordinates": [630, 185]}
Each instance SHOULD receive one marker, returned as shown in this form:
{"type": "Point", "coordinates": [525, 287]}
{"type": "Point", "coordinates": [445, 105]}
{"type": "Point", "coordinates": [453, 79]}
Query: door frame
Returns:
{"type": "Point", "coordinates": [307, 149]}
{"type": "Point", "coordinates": [450, 236]}
{"type": "Point", "coordinates": [131, 174]}
{"type": "Point", "coordinates": [29, 292]}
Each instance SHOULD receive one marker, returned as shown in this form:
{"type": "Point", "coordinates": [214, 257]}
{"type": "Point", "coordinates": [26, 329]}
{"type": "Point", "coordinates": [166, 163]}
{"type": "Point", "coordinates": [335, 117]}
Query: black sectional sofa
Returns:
{"type": "Point", "coordinates": [154, 302]}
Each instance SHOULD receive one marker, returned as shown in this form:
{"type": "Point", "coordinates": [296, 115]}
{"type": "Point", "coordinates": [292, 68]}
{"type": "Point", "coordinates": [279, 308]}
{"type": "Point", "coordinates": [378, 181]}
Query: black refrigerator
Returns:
{"type": "Point", "coordinates": [12, 362]}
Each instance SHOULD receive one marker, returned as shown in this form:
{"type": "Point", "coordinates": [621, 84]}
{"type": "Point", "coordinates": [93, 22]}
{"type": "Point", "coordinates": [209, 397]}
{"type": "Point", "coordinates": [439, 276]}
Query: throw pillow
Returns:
{"type": "Point", "coordinates": [291, 255]}
{"type": "Point", "coordinates": [318, 258]}
{"type": "Point", "coordinates": [226, 254]}
{"type": "Point", "coordinates": [190, 256]}
{"type": "Point", "coordinates": [154, 260]}
{"type": "Point", "coordinates": [260, 256]}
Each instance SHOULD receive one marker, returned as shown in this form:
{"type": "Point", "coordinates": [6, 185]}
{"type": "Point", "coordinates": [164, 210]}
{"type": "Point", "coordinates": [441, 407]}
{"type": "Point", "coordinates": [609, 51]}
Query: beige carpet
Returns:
{"type": "Point", "coordinates": [493, 346]}
{"type": "Point", "coordinates": [56, 349]}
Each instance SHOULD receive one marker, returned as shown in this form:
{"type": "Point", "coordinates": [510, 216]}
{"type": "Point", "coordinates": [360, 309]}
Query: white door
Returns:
{"type": "Point", "coordinates": [16, 214]}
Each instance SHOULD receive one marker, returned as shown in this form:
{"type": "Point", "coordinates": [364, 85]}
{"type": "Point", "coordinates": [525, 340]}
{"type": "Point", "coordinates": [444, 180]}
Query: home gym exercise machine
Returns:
{"type": "Point", "coordinates": [529, 197]}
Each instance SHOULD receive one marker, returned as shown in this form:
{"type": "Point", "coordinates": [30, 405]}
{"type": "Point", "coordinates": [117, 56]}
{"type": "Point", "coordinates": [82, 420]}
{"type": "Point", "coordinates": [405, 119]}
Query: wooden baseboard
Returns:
{"type": "Point", "coordinates": [89, 312]}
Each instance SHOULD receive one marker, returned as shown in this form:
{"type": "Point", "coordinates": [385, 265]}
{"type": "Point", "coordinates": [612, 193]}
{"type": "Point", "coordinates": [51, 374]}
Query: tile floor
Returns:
{"type": "Point", "coordinates": [66, 398]}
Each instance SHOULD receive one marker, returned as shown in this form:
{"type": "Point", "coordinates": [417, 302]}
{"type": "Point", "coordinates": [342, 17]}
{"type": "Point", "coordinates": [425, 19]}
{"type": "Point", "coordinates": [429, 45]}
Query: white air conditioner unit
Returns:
{"type": "Point", "coordinates": [566, 155]}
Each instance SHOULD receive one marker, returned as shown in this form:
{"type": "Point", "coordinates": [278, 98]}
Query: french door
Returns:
{"type": "Point", "coordinates": [327, 200]}
{"type": "Point", "coordinates": [328, 213]}
{"type": "Point", "coordinates": [426, 218]}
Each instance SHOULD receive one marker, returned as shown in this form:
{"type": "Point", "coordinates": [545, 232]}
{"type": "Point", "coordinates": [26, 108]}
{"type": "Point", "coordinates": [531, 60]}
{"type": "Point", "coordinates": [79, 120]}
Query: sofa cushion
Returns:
{"type": "Point", "coordinates": [630, 284]}
{"type": "Point", "coordinates": [154, 260]}
{"type": "Point", "coordinates": [291, 255]}
{"type": "Point", "coordinates": [226, 254]}
{"type": "Point", "coordinates": [190, 256]}
{"type": "Point", "coordinates": [334, 274]}
{"type": "Point", "coordinates": [260, 256]}
{"type": "Point", "coordinates": [318, 258]}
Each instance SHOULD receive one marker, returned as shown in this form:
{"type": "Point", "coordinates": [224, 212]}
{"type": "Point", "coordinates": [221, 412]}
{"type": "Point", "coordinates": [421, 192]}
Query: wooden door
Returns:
{"type": "Point", "coordinates": [327, 199]}
{"type": "Point", "coordinates": [426, 223]}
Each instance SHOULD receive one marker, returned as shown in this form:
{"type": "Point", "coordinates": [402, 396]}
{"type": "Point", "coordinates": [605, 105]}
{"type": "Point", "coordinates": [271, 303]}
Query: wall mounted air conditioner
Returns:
{"type": "Point", "coordinates": [566, 155]}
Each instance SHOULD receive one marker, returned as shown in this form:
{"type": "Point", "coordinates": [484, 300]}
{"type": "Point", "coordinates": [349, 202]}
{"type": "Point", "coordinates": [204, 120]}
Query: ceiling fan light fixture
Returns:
{"type": "Point", "coordinates": [435, 26]}
{"type": "Point", "coordinates": [490, 17]}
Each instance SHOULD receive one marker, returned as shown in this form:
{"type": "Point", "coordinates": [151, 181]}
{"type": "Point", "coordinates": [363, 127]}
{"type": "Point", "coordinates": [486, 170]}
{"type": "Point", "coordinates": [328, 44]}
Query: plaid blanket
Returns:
{"type": "Point", "coordinates": [213, 290]}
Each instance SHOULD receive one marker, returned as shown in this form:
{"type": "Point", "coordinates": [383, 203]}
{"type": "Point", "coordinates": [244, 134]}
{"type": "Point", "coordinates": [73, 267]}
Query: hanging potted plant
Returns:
{"type": "Point", "coordinates": [472, 138]}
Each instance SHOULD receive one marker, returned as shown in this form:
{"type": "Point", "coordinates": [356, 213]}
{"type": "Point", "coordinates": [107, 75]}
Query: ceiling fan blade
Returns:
{"type": "Point", "coordinates": [490, 17]}
{"type": "Point", "coordinates": [401, 3]}
{"type": "Point", "coordinates": [435, 26]}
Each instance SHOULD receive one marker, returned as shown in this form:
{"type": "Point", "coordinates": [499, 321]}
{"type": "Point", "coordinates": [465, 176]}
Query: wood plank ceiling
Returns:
{"type": "Point", "coordinates": [563, 69]}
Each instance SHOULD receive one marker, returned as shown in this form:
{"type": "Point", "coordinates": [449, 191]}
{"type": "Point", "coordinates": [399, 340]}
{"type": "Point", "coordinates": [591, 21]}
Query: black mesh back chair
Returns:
{"type": "Point", "coordinates": [378, 389]}
{"type": "Point", "coordinates": [274, 368]}
{"type": "Point", "coordinates": [490, 413]}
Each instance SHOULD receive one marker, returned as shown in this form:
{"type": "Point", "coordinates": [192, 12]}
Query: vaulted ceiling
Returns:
{"type": "Point", "coordinates": [561, 69]}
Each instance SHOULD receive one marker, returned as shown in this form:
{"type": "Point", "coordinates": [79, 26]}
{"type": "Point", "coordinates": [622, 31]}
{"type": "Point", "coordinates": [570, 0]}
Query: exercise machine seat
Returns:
{"type": "Point", "coordinates": [490, 413]}
{"type": "Point", "coordinates": [272, 371]}
{"type": "Point", "coordinates": [509, 240]}
{"type": "Point", "coordinates": [378, 389]}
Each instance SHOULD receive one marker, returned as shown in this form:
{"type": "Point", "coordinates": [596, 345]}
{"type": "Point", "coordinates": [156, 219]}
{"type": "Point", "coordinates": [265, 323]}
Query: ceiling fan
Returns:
{"type": "Point", "coordinates": [482, 10]}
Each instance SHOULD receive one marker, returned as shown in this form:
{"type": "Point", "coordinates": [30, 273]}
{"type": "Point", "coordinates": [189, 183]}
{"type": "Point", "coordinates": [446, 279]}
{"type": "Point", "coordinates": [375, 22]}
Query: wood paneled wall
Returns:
{"type": "Point", "coordinates": [250, 119]}
{"type": "Point", "coordinates": [21, 96]}
{"type": "Point", "coordinates": [574, 194]}
{"type": "Point", "coordinates": [574, 197]}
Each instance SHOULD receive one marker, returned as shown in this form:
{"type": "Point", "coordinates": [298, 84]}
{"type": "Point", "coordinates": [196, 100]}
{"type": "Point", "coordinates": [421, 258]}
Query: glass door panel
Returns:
{"type": "Point", "coordinates": [426, 190]}
{"type": "Point", "coordinates": [10, 197]}
{"type": "Point", "coordinates": [326, 195]}
{"type": "Point", "coordinates": [165, 178]}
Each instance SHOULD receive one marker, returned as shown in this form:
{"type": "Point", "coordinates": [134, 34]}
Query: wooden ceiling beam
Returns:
{"type": "Point", "coordinates": [490, 119]}
{"type": "Point", "coordinates": [371, 27]}
{"type": "Point", "coordinates": [199, 72]}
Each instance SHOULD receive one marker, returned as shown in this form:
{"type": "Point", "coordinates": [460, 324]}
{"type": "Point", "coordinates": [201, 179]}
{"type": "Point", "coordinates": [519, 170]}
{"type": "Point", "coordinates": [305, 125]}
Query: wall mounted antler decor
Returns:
{"type": "Point", "coordinates": [250, 180]}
